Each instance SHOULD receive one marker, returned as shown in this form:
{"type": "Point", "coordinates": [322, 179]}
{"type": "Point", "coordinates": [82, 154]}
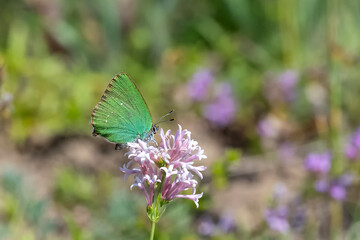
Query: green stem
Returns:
{"type": "Point", "coordinates": [289, 32]}
{"type": "Point", "coordinates": [153, 223]}
{"type": "Point", "coordinates": [155, 211]}
{"type": "Point", "coordinates": [334, 67]}
{"type": "Point", "coordinates": [335, 85]}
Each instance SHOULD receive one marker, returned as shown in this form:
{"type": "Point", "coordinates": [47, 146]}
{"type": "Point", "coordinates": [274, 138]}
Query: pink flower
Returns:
{"type": "Point", "coordinates": [353, 147]}
{"type": "Point", "coordinates": [319, 163]}
{"type": "Point", "coordinates": [277, 219]}
{"type": "Point", "coordinates": [338, 192]}
{"type": "Point", "coordinates": [199, 85]}
{"type": "Point", "coordinates": [222, 110]}
{"type": "Point", "coordinates": [166, 170]}
{"type": "Point", "coordinates": [282, 87]}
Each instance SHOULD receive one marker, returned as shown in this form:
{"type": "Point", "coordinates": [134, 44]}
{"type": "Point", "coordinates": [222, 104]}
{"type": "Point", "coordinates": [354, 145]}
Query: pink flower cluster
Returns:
{"type": "Point", "coordinates": [353, 147]}
{"type": "Point", "coordinates": [167, 168]}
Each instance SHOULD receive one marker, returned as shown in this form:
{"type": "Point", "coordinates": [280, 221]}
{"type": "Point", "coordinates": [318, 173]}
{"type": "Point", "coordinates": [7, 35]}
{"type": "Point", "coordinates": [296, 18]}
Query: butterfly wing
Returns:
{"type": "Point", "coordinates": [122, 115]}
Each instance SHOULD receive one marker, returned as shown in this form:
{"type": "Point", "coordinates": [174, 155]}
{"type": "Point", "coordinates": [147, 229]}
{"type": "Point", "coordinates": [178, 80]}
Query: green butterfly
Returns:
{"type": "Point", "coordinates": [122, 115]}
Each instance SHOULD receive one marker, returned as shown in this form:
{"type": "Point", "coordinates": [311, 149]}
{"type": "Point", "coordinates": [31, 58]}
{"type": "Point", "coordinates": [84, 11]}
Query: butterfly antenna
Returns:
{"type": "Point", "coordinates": [170, 120]}
{"type": "Point", "coordinates": [161, 121]}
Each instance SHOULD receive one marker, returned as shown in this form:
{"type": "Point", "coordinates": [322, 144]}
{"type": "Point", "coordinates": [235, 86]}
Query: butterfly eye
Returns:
{"type": "Point", "coordinates": [155, 129]}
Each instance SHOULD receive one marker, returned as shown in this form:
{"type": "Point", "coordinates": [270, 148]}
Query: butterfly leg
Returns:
{"type": "Point", "coordinates": [94, 133]}
{"type": "Point", "coordinates": [120, 146]}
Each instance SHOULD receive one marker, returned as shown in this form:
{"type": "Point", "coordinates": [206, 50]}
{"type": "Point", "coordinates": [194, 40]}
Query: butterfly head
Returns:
{"type": "Point", "coordinates": [154, 129]}
{"type": "Point", "coordinates": [149, 136]}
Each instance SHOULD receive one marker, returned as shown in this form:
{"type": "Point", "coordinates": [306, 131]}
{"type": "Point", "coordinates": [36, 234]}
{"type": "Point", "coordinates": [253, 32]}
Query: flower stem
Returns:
{"type": "Point", "coordinates": [334, 67]}
{"type": "Point", "coordinates": [153, 223]}
{"type": "Point", "coordinates": [155, 212]}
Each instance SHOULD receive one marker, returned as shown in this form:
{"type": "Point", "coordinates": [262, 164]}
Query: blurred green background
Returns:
{"type": "Point", "coordinates": [293, 71]}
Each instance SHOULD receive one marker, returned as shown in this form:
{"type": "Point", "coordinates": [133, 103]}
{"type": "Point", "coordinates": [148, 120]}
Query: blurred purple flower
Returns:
{"type": "Point", "coordinates": [297, 216]}
{"type": "Point", "coordinates": [356, 138]}
{"type": "Point", "coordinates": [199, 84]}
{"type": "Point", "coordinates": [353, 147]}
{"type": "Point", "coordinates": [282, 87]}
{"type": "Point", "coordinates": [287, 81]}
{"type": "Point", "coordinates": [206, 226]}
{"type": "Point", "coordinates": [338, 192]}
{"type": "Point", "coordinates": [269, 127]}
{"type": "Point", "coordinates": [319, 163]}
{"type": "Point", "coordinates": [346, 179]}
{"type": "Point", "coordinates": [222, 110]}
{"type": "Point", "coordinates": [277, 219]}
{"type": "Point", "coordinates": [266, 129]}
{"type": "Point", "coordinates": [174, 157]}
{"type": "Point", "coordinates": [227, 223]}
{"type": "Point", "coordinates": [286, 152]}
{"type": "Point", "coordinates": [338, 186]}
{"type": "Point", "coordinates": [351, 151]}
{"type": "Point", "coordinates": [321, 186]}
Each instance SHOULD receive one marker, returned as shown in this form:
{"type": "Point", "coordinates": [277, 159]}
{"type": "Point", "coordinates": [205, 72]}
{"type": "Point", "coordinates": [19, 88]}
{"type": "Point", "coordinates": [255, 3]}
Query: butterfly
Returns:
{"type": "Point", "coordinates": [122, 115]}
